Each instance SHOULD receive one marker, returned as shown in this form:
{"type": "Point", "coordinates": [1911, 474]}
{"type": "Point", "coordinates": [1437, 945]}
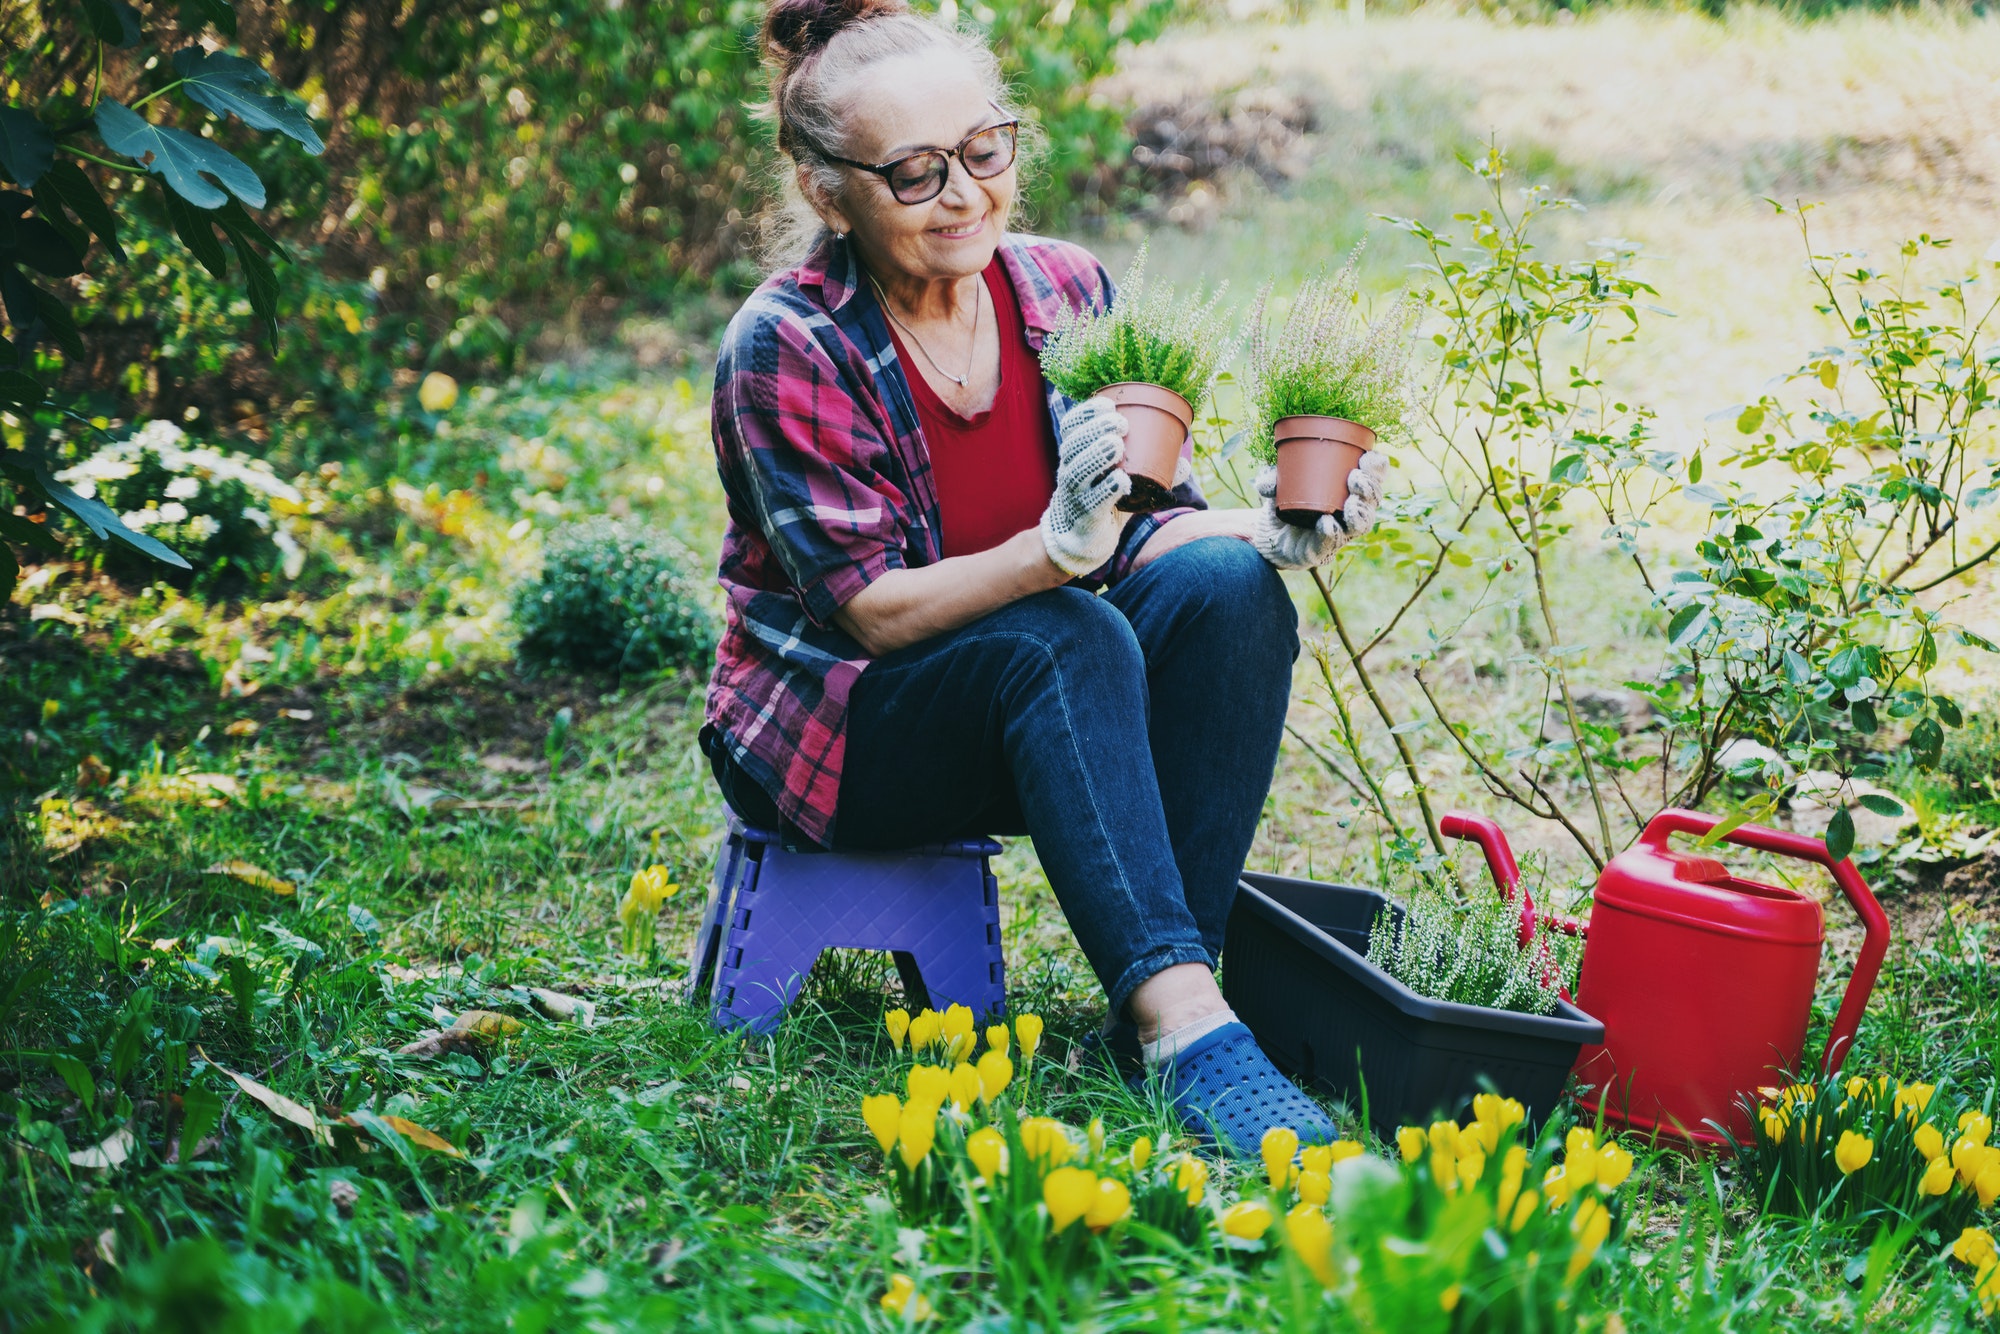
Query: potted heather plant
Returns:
{"type": "Point", "coordinates": [1154, 354]}
{"type": "Point", "coordinates": [1326, 388]}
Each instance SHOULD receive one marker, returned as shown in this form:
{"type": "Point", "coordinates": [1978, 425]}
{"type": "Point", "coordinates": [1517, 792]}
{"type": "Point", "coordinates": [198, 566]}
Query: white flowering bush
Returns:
{"type": "Point", "coordinates": [225, 512]}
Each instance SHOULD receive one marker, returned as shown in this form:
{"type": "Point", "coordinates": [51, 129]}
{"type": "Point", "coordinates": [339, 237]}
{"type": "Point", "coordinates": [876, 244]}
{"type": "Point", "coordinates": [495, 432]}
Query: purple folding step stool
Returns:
{"type": "Point", "coordinates": [771, 912]}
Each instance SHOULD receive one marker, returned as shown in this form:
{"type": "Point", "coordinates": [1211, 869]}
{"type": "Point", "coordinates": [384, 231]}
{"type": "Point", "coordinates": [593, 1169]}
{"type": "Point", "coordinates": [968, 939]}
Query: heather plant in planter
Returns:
{"type": "Point", "coordinates": [1471, 953]}
{"type": "Point", "coordinates": [1327, 387]}
{"type": "Point", "coordinates": [1155, 354]}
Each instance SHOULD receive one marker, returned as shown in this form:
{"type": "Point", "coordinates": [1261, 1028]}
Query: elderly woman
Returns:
{"type": "Point", "coordinates": [939, 622]}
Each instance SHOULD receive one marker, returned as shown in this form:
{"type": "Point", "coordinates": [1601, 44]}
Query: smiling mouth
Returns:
{"type": "Point", "coordinates": [960, 232]}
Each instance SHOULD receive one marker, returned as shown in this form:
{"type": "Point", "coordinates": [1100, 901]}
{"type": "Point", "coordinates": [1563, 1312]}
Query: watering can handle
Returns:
{"type": "Point", "coordinates": [1500, 861]}
{"type": "Point", "coordinates": [1873, 920]}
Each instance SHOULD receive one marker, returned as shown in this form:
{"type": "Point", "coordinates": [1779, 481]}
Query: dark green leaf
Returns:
{"type": "Point", "coordinates": [61, 328]}
{"type": "Point", "coordinates": [44, 249]}
{"type": "Point", "coordinates": [19, 391]}
{"type": "Point", "coordinates": [257, 269]}
{"type": "Point", "coordinates": [16, 528]}
{"type": "Point", "coordinates": [1926, 743]}
{"type": "Point", "coordinates": [1687, 625]}
{"type": "Point", "coordinates": [1573, 469]}
{"type": "Point", "coordinates": [10, 572]}
{"type": "Point", "coordinates": [197, 232]}
{"type": "Point", "coordinates": [194, 13]}
{"type": "Point", "coordinates": [181, 159]}
{"type": "Point", "coordinates": [1863, 713]}
{"type": "Point", "coordinates": [232, 86]}
{"type": "Point", "coordinates": [77, 1075]}
{"type": "Point", "coordinates": [201, 1110]}
{"type": "Point", "coordinates": [96, 515]}
{"type": "Point", "coordinates": [27, 149]}
{"type": "Point", "coordinates": [234, 216]}
{"type": "Point", "coordinates": [1797, 670]}
{"type": "Point", "coordinates": [1947, 711]}
{"type": "Point", "coordinates": [112, 21]}
{"type": "Point", "coordinates": [76, 191]}
{"type": "Point", "coordinates": [1840, 835]}
{"type": "Point", "coordinates": [1881, 803]}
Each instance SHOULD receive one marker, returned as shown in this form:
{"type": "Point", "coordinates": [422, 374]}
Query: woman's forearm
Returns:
{"type": "Point", "coordinates": [905, 607]}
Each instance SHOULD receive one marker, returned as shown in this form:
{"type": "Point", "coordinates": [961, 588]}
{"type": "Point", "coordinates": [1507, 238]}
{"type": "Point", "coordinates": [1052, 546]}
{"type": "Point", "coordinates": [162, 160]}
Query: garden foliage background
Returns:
{"type": "Point", "coordinates": [373, 767]}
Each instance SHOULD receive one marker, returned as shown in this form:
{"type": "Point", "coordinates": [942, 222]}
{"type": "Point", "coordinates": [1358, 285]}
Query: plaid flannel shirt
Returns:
{"type": "Point", "coordinates": [829, 487]}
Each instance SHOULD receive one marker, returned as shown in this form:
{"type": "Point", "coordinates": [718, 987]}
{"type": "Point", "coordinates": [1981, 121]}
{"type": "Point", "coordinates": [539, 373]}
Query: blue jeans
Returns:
{"type": "Point", "coordinates": [1132, 735]}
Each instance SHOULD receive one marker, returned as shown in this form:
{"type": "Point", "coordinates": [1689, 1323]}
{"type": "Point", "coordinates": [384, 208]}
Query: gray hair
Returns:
{"type": "Point", "coordinates": [815, 50]}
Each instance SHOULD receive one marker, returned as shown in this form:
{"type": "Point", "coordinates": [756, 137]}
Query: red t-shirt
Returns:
{"type": "Point", "coordinates": [995, 470]}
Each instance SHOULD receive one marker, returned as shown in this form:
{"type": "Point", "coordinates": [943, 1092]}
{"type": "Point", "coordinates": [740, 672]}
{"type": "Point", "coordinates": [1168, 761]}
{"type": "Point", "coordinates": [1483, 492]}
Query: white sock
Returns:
{"type": "Point", "coordinates": [1168, 1045]}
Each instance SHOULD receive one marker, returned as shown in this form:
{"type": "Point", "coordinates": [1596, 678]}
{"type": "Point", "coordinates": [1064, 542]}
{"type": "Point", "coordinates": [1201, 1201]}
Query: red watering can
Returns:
{"type": "Point", "coordinates": [1703, 980]}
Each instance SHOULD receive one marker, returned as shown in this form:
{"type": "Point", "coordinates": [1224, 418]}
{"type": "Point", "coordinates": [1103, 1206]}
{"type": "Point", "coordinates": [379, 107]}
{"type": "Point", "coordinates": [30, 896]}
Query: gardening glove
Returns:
{"type": "Point", "coordinates": [1080, 528]}
{"type": "Point", "coordinates": [1290, 547]}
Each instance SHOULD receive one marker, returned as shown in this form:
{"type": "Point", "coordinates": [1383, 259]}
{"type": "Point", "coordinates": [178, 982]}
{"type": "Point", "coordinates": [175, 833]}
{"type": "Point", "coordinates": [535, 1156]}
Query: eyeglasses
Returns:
{"type": "Point", "coordinates": [920, 177]}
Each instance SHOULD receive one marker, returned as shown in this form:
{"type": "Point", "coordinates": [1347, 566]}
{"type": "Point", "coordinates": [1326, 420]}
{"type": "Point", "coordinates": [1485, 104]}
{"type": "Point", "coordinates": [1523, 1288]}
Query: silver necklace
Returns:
{"type": "Point", "coordinates": [971, 359]}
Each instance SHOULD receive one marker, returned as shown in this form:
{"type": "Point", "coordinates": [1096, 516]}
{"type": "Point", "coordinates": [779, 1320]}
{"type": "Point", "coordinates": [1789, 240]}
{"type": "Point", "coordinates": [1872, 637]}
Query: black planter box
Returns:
{"type": "Point", "coordinates": [1293, 970]}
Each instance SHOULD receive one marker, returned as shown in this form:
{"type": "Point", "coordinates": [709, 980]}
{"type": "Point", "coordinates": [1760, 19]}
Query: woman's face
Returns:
{"type": "Point", "coordinates": [903, 106]}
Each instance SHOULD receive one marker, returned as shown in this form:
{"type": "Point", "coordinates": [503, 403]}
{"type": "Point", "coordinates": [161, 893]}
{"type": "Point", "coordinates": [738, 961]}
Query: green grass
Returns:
{"type": "Point", "coordinates": [450, 844]}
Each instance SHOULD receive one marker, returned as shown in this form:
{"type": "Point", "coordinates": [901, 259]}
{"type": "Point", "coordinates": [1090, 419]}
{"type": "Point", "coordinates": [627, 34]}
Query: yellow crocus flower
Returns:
{"type": "Point", "coordinates": [988, 1151]}
{"type": "Point", "coordinates": [1316, 1158]}
{"type": "Point", "coordinates": [1484, 1133]}
{"type": "Point", "coordinates": [1614, 1164]}
{"type": "Point", "coordinates": [1512, 1168]}
{"type": "Point", "coordinates": [996, 1072]}
{"type": "Point", "coordinates": [1987, 1184]}
{"type": "Point", "coordinates": [1028, 1032]}
{"type": "Point", "coordinates": [1556, 1184]}
{"type": "Point", "coordinates": [928, 1083]}
{"type": "Point", "coordinates": [1775, 1124]}
{"type": "Point", "coordinates": [1853, 1151]}
{"type": "Point", "coordinates": [1410, 1142]}
{"type": "Point", "coordinates": [1856, 1086]}
{"type": "Point", "coordinates": [1914, 1099]}
{"type": "Point", "coordinates": [1579, 1158]}
{"type": "Point", "coordinates": [1343, 1149]}
{"type": "Point", "coordinates": [903, 1299]}
{"type": "Point", "coordinates": [1279, 1145]}
{"type": "Point", "coordinates": [1975, 1126]}
{"type": "Point", "coordinates": [1191, 1178]}
{"type": "Point", "coordinates": [915, 1132]}
{"type": "Point", "coordinates": [957, 1021]}
{"type": "Point", "coordinates": [1937, 1178]}
{"type": "Point", "coordinates": [1247, 1220]}
{"type": "Point", "coordinates": [884, 1116]}
{"type": "Point", "coordinates": [1524, 1209]}
{"type": "Point", "coordinates": [1067, 1192]}
{"type": "Point", "coordinates": [1310, 1235]}
{"type": "Point", "coordinates": [1111, 1204]}
{"type": "Point", "coordinates": [1471, 1167]}
{"type": "Point", "coordinates": [965, 1089]}
{"type": "Point", "coordinates": [1094, 1134]}
{"type": "Point", "coordinates": [996, 1038]}
{"type": "Point", "coordinates": [897, 1021]}
{"type": "Point", "coordinates": [1930, 1142]}
{"type": "Point", "coordinates": [1444, 1137]}
{"type": "Point", "coordinates": [1315, 1188]}
{"type": "Point", "coordinates": [1046, 1141]}
{"type": "Point", "coordinates": [1142, 1153]}
{"type": "Point", "coordinates": [1444, 1171]}
{"type": "Point", "coordinates": [1968, 1156]}
{"type": "Point", "coordinates": [925, 1028]}
{"type": "Point", "coordinates": [1975, 1247]}
{"type": "Point", "coordinates": [1987, 1289]}
{"type": "Point", "coordinates": [1448, 1299]}
{"type": "Point", "coordinates": [1590, 1227]}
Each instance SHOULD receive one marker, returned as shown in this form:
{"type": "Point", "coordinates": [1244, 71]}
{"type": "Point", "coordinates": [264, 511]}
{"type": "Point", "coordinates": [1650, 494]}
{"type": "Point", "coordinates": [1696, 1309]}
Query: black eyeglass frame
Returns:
{"type": "Point", "coordinates": [883, 169]}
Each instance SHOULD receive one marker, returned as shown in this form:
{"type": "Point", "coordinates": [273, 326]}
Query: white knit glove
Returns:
{"type": "Point", "coordinates": [1080, 527]}
{"type": "Point", "coordinates": [1289, 547]}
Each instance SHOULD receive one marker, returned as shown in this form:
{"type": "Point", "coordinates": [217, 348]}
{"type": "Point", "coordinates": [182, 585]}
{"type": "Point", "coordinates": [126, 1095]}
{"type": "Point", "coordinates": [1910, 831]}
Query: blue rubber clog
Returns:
{"type": "Point", "coordinates": [1225, 1089]}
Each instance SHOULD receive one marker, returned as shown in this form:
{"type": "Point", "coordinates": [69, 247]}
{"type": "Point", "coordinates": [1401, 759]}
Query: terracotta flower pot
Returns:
{"type": "Point", "coordinates": [1159, 420]}
{"type": "Point", "coordinates": [1315, 455]}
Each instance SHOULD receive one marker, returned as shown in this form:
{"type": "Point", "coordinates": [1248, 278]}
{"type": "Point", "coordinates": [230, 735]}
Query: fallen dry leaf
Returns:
{"type": "Point", "coordinates": [113, 1151]}
{"type": "Point", "coordinates": [253, 875]}
{"type": "Point", "coordinates": [487, 1024]}
{"type": "Point", "coordinates": [297, 715]}
{"type": "Point", "coordinates": [279, 1105]}
{"type": "Point", "coordinates": [433, 1045]}
{"type": "Point", "coordinates": [563, 1009]}
{"type": "Point", "coordinates": [740, 1083]}
{"type": "Point", "coordinates": [243, 727]}
{"type": "Point", "coordinates": [92, 772]}
{"type": "Point", "coordinates": [418, 1135]}
{"type": "Point", "coordinates": [510, 764]}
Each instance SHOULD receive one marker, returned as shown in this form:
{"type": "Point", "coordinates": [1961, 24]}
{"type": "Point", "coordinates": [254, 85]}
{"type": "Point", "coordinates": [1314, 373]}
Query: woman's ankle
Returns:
{"type": "Point", "coordinates": [1174, 998]}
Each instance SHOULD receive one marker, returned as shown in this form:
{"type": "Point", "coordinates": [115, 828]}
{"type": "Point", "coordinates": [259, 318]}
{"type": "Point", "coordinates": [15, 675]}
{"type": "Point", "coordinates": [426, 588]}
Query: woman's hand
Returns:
{"type": "Point", "coordinates": [1081, 525]}
{"type": "Point", "coordinates": [1289, 547]}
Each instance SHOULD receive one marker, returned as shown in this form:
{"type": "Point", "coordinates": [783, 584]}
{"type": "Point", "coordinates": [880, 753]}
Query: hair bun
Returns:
{"type": "Point", "coordinates": [797, 29]}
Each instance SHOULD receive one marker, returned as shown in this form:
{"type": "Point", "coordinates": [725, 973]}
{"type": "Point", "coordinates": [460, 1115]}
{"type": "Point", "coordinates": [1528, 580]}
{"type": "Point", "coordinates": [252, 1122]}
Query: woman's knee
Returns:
{"type": "Point", "coordinates": [1068, 628]}
{"type": "Point", "coordinates": [1234, 588]}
